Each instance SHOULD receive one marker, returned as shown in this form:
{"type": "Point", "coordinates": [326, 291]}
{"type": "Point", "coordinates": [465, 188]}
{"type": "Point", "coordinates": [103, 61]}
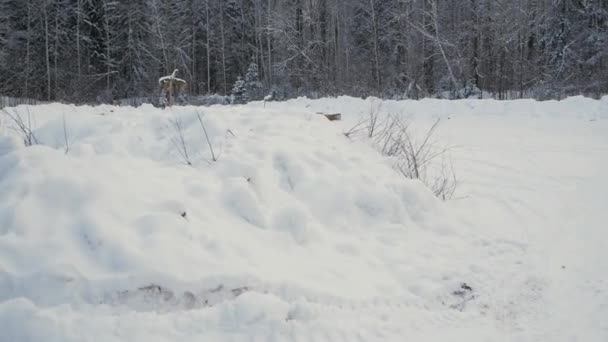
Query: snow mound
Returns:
{"type": "Point", "coordinates": [120, 226]}
{"type": "Point", "coordinates": [291, 202]}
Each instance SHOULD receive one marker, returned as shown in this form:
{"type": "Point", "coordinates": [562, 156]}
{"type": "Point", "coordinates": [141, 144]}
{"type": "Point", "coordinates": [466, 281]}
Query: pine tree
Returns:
{"type": "Point", "coordinates": [253, 86]}
{"type": "Point", "coordinates": [136, 44]}
{"type": "Point", "coordinates": [238, 91]}
{"type": "Point", "coordinates": [75, 50]}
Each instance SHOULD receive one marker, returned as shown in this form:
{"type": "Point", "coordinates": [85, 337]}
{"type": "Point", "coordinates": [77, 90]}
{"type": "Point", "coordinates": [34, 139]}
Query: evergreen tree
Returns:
{"type": "Point", "coordinates": [83, 50]}
{"type": "Point", "coordinates": [253, 86]}
{"type": "Point", "coordinates": [239, 91]}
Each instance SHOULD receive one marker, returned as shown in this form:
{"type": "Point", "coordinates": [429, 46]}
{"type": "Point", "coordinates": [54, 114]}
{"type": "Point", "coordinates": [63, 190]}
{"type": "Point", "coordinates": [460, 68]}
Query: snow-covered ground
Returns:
{"type": "Point", "coordinates": [298, 233]}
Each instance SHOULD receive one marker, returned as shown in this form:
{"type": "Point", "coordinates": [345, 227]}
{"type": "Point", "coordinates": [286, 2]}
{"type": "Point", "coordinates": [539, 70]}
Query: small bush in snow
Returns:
{"type": "Point", "coordinates": [415, 157]}
{"type": "Point", "coordinates": [22, 125]}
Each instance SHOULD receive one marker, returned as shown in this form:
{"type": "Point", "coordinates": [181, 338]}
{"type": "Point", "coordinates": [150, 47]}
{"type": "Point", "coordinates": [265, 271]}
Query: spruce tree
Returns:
{"type": "Point", "coordinates": [253, 86]}
{"type": "Point", "coordinates": [239, 91]}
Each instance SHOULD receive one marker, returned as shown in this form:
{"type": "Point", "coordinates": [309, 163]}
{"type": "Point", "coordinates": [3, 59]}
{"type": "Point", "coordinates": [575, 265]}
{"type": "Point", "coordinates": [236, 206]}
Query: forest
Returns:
{"type": "Point", "coordinates": [85, 51]}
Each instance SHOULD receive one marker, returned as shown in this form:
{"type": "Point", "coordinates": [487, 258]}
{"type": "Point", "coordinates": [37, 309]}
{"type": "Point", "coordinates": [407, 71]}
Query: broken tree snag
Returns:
{"type": "Point", "coordinates": [332, 116]}
{"type": "Point", "coordinates": [170, 86]}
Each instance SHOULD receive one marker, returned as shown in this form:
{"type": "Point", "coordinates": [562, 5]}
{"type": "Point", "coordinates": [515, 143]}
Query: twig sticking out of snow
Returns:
{"type": "Point", "coordinates": [66, 140]}
{"type": "Point", "coordinates": [213, 156]}
{"type": "Point", "coordinates": [179, 141]}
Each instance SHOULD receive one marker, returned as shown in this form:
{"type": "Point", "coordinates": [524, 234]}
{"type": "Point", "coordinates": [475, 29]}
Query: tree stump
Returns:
{"type": "Point", "coordinates": [170, 85]}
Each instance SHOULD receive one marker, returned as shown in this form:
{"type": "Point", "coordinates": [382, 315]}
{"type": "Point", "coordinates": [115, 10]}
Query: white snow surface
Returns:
{"type": "Point", "coordinates": [298, 233]}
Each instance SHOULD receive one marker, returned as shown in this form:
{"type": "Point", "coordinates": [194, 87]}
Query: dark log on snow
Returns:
{"type": "Point", "coordinates": [332, 116]}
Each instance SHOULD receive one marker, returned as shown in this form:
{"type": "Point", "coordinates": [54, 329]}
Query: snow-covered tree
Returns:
{"type": "Point", "coordinates": [75, 50]}
{"type": "Point", "coordinates": [239, 91]}
{"type": "Point", "coordinates": [253, 86]}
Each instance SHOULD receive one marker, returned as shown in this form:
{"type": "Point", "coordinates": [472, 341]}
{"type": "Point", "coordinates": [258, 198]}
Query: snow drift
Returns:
{"type": "Point", "coordinates": [106, 232]}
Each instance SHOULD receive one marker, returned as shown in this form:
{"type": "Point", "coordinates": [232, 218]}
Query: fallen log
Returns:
{"type": "Point", "coordinates": [331, 116]}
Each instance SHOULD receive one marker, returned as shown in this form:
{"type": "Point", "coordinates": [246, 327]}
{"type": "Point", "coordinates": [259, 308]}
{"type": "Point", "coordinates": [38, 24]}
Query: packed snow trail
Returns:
{"type": "Point", "coordinates": [541, 184]}
{"type": "Point", "coordinates": [298, 233]}
{"type": "Point", "coordinates": [533, 184]}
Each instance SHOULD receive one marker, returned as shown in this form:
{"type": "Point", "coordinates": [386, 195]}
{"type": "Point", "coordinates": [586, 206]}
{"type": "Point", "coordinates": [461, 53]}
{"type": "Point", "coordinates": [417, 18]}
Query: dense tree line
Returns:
{"type": "Point", "coordinates": [88, 50]}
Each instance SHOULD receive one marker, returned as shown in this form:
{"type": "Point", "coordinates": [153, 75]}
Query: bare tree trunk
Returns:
{"type": "Point", "coordinates": [161, 37]}
{"type": "Point", "coordinates": [170, 93]}
{"type": "Point", "coordinates": [375, 43]}
{"type": "Point", "coordinates": [259, 50]}
{"type": "Point", "coordinates": [268, 44]}
{"type": "Point", "coordinates": [47, 55]}
{"type": "Point", "coordinates": [434, 15]}
{"type": "Point", "coordinates": [78, 53]}
{"type": "Point", "coordinates": [427, 53]}
{"type": "Point", "coordinates": [27, 48]}
{"type": "Point", "coordinates": [193, 87]}
{"type": "Point", "coordinates": [335, 46]}
{"type": "Point", "coordinates": [56, 53]}
{"type": "Point", "coordinates": [521, 67]}
{"type": "Point", "coordinates": [223, 48]}
{"type": "Point", "coordinates": [208, 34]}
{"type": "Point", "coordinates": [108, 44]}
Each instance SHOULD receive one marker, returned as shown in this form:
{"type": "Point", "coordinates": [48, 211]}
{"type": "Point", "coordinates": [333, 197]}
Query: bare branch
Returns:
{"type": "Point", "coordinates": [413, 158]}
{"type": "Point", "coordinates": [23, 127]}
